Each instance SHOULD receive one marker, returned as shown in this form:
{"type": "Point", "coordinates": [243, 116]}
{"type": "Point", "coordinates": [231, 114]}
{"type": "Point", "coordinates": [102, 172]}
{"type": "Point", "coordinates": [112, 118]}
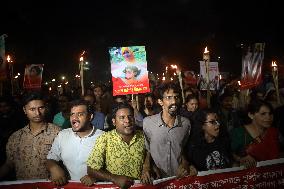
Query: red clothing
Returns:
{"type": "Point", "coordinates": [268, 148]}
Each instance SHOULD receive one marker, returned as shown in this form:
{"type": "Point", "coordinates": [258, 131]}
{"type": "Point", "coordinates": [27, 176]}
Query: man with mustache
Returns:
{"type": "Point", "coordinates": [27, 148]}
{"type": "Point", "coordinates": [166, 134]}
{"type": "Point", "coordinates": [118, 155]}
{"type": "Point", "coordinates": [72, 146]}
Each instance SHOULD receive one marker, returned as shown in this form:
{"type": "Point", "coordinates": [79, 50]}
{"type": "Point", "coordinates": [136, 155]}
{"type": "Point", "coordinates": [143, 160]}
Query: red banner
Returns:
{"type": "Point", "coordinates": [266, 177]}
{"type": "Point", "coordinates": [33, 76]}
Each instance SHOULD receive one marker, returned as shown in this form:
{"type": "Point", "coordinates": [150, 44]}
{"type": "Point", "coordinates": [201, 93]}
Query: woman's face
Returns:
{"type": "Point", "coordinates": [211, 126]}
{"type": "Point", "coordinates": [33, 72]}
{"type": "Point", "coordinates": [129, 74]}
{"type": "Point", "coordinates": [263, 117]}
{"type": "Point", "coordinates": [192, 105]}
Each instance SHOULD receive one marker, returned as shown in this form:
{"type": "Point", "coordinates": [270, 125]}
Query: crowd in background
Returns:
{"type": "Point", "coordinates": [233, 129]}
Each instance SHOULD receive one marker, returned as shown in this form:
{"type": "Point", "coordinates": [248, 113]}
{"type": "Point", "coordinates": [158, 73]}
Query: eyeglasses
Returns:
{"type": "Point", "coordinates": [171, 97]}
{"type": "Point", "coordinates": [213, 122]}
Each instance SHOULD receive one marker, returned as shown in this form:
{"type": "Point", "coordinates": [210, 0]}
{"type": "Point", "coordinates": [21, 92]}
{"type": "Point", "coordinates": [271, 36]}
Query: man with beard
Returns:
{"type": "Point", "coordinates": [72, 146]}
{"type": "Point", "coordinates": [118, 155]}
{"type": "Point", "coordinates": [27, 148]}
{"type": "Point", "coordinates": [166, 134]}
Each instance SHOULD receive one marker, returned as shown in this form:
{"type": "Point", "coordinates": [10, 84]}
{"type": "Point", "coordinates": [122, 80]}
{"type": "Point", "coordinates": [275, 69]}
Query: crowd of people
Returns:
{"type": "Point", "coordinates": [100, 137]}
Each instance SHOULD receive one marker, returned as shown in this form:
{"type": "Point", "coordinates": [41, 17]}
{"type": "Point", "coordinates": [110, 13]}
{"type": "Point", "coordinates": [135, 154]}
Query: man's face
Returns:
{"type": "Point", "coordinates": [124, 122]}
{"type": "Point", "coordinates": [80, 118]}
{"type": "Point", "coordinates": [170, 102]}
{"type": "Point", "coordinates": [35, 111]}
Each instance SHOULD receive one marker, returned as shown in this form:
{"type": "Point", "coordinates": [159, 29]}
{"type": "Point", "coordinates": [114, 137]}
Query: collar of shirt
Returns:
{"type": "Point", "coordinates": [133, 140]}
{"type": "Point", "coordinates": [161, 122]}
{"type": "Point", "coordinates": [27, 128]}
{"type": "Point", "coordinates": [90, 134]}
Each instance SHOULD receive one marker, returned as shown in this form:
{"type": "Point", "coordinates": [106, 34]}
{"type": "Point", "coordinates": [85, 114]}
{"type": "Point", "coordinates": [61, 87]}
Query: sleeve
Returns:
{"type": "Point", "coordinates": [96, 159]}
{"type": "Point", "coordinates": [55, 151]}
{"type": "Point", "coordinates": [146, 133]}
{"type": "Point", "coordinates": [11, 147]}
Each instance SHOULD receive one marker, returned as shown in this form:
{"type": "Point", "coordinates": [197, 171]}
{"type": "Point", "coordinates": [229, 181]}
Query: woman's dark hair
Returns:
{"type": "Point", "coordinates": [190, 97]}
{"type": "Point", "coordinates": [120, 105]}
{"type": "Point", "coordinates": [202, 116]}
{"type": "Point", "coordinates": [255, 106]}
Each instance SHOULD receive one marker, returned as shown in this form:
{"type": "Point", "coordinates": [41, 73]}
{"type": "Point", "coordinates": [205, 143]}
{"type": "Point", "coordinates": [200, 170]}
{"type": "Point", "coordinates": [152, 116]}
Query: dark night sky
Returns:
{"type": "Point", "coordinates": [54, 33]}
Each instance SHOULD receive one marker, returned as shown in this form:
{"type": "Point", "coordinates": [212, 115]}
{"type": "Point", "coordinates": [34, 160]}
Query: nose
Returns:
{"type": "Point", "coordinates": [37, 112]}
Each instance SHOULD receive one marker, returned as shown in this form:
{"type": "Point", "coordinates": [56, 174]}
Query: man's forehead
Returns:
{"type": "Point", "coordinates": [170, 91]}
{"type": "Point", "coordinates": [79, 108]}
{"type": "Point", "coordinates": [35, 103]}
{"type": "Point", "coordinates": [123, 111]}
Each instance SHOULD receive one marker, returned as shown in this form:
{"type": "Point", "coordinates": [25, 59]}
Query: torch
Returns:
{"type": "Point", "coordinates": [206, 59]}
{"type": "Point", "coordinates": [275, 79]}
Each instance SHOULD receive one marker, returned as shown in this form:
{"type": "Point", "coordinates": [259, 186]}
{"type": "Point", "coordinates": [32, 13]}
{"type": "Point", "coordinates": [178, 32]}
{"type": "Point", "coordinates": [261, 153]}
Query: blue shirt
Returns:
{"type": "Point", "coordinates": [98, 120]}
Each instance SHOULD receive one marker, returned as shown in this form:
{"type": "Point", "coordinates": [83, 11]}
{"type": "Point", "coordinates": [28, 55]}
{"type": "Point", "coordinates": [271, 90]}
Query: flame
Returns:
{"type": "Point", "coordinates": [8, 58]}
{"type": "Point", "coordinates": [274, 64]}
{"type": "Point", "coordinates": [174, 66]}
{"type": "Point", "coordinates": [239, 82]}
{"type": "Point", "coordinates": [206, 51]}
{"type": "Point", "coordinates": [81, 59]}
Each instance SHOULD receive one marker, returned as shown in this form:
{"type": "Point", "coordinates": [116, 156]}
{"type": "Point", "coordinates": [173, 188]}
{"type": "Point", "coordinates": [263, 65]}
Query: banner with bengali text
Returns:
{"type": "Point", "coordinates": [269, 174]}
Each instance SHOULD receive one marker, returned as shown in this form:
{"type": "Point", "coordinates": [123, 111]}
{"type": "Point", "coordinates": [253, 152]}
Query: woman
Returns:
{"type": "Point", "coordinates": [256, 141]}
{"type": "Point", "coordinates": [191, 108]}
{"type": "Point", "coordinates": [207, 149]}
{"type": "Point", "coordinates": [149, 106]}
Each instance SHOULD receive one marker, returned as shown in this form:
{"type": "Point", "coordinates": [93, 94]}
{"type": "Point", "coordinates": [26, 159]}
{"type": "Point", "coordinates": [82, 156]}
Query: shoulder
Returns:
{"type": "Point", "coordinates": [53, 128]}
{"type": "Point", "coordinates": [152, 118]}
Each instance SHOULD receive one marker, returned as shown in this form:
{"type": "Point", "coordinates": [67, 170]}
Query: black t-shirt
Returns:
{"type": "Point", "coordinates": [209, 156]}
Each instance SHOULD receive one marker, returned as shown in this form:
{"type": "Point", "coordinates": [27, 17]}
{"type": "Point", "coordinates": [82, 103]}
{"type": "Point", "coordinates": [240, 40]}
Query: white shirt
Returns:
{"type": "Point", "coordinates": [73, 151]}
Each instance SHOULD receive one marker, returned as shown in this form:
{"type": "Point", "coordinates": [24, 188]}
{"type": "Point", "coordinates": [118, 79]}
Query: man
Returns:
{"type": "Point", "coordinates": [72, 146]}
{"type": "Point", "coordinates": [118, 154]}
{"type": "Point", "coordinates": [98, 117]}
{"type": "Point", "coordinates": [166, 134]}
{"type": "Point", "coordinates": [62, 118]}
{"type": "Point", "coordinates": [27, 148]}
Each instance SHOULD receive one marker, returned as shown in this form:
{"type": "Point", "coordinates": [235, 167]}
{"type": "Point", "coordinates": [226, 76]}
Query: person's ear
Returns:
{"type": "Point", "coordinates": [91, 117]}
{"type": "Point", "coordinates": [160, 102]}
{"type": "Point", "coordinates": [251, 116]}
{"type": "Point", "coordinates": [113, 122]}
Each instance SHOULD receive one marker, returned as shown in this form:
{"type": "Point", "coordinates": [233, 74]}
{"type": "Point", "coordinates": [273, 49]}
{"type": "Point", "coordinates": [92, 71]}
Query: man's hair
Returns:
{"type": "Point", "coordinates": [82, 102]}
{"type": "Point", "coordinates": [164, 87]}
{"type": "Point", "coordinates": [30, 96]}
{"type": "Point", "coordinates": [190, 97]}
{"type": "Point", "coordinates": [120, 105]}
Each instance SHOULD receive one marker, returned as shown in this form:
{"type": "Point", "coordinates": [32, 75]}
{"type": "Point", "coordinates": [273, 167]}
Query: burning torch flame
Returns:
{"type": "Point", "coordinates": [206, 51]}
{"type": "Point", "coordinates": [274, 64]}
{"type": "Point", "coordinates": [239, 82]}
{"type": "Point", "coordinates": [174, 66]}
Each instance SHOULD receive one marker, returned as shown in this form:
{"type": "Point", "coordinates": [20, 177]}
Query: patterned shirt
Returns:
{"type": "Point", "coordinates": [118, 157]}
{"type": "Point", "coordinates": [28, 152]}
